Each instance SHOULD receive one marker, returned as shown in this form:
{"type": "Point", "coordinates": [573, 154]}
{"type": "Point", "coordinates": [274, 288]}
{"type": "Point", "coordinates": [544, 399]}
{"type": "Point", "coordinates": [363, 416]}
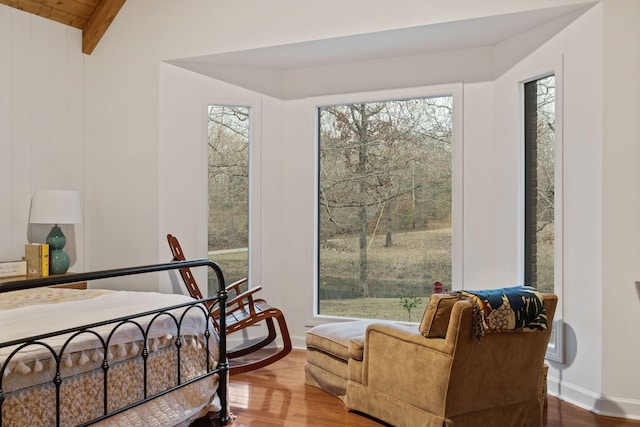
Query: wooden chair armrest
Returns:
{"type": "Point", "coordinates": [238, 301]}
{"type": "Point", "coordinates": [248, 294]}
{"type": "Point", "coordinates": [235, 286]}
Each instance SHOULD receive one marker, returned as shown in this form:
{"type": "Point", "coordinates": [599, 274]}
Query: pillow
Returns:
{"type": "Point", "coordinates": [436, 317]}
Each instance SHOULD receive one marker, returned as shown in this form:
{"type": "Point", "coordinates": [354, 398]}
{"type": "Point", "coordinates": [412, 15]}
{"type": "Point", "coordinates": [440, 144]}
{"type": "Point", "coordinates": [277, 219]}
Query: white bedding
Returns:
{"type": "Point", "coordinates": [52, 313]}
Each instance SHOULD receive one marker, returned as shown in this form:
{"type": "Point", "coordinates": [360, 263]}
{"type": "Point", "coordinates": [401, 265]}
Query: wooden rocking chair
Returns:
{"type": "Point", "coordinates": [243, 310]}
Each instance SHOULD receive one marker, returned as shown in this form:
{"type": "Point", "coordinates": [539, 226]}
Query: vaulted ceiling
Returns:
{"type": "Point", "coordinates": [93, 17]}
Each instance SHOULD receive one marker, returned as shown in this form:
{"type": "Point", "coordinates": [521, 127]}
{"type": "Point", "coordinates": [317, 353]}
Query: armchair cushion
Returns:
{"type": "Point", "coordinates": [436, 317]}
{"type": "Point", "coordinates": [333, 338]}
{"type": "Point", "coordinates": [356, 347]}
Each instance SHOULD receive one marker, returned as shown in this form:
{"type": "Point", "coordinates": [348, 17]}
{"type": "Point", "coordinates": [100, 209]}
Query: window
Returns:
{"type": "Point", "coordinates": [542, 222]}
{"type": "Point", "coordinates": [539, 178]}
{"type": "Point", "coordinates": [384, 206]}
{"type": "Point", "coordinates": [228, 173]}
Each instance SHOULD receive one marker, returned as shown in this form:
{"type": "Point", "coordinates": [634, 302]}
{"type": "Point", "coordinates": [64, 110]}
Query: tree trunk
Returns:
{"type": "Point", "coordinates": [362, 168]}
{"type": "Point", "coordinates": [364, 285]}
{"type": "Point", "coordinates": [387, 242]}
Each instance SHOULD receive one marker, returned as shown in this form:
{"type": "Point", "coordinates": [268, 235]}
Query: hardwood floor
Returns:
{"type": "Point", "coordinates": [277, 396]}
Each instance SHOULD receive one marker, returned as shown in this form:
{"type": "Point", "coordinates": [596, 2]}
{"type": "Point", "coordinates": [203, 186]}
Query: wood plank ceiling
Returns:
{"type": "Point", "coordinates": [93, 17]}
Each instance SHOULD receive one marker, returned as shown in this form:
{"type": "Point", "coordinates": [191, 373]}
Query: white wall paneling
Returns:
{"type": "Point", "coordinates": [6, 194]}
{"type": "Point", "coordinates": [41, 124]}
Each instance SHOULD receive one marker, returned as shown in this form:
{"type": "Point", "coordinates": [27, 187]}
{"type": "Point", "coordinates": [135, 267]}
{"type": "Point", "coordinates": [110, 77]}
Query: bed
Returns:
{"type": "Point", "coordinates": [110, 358]}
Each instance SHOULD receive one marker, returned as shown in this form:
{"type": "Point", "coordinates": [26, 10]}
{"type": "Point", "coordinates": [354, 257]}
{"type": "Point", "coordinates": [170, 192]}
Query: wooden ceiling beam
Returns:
{"type": "Point", "coordinates": [98, 23]}
{"type": "Point", "coordinates": [93, 17]}
{"type": "Point", "coordinates": [69, 12]}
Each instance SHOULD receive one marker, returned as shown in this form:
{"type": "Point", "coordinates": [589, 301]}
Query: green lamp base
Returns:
{"type": "Point", "coordinates": [58, 259]}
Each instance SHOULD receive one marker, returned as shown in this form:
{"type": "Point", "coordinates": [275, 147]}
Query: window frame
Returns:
{"type": "Point", "coordinates": [555, 348]}
{"type": "Point", "coordinates": [454, 90]}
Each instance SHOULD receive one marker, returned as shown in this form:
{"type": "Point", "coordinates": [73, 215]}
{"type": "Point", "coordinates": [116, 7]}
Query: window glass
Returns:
{"type": "Point", "coordinates": [540, 181]}
{"type": "Point", "coordinates": [384, 202]}
{"type": "Point", "coordinates": [228, 173]}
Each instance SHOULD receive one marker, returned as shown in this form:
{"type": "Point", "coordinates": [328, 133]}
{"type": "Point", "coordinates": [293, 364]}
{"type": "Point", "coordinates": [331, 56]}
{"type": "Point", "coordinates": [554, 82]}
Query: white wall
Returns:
{"type": "Point", "coordinates": [283, 225]}
{"type": "Point", "coordinates": [41, 126]}
{"type": "Point", "coordinates": [599, 66]}
{"type": "Point", "coordinates": [576, 55]}
{"type": "Point", "coordinates": [601, 205]}
{"type": "Point", "coordinates": [621, 207]}
{"type": "Point", "coordinates": [142, 128]}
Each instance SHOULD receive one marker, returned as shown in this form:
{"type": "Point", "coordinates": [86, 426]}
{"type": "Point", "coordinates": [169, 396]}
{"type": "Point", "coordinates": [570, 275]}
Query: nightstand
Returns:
{"type": "Point", "coordinates": [78, 285]}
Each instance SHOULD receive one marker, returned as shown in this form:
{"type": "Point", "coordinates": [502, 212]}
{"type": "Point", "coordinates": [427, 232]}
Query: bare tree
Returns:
{"type": "Point", "coordinates": [228, 161]}
{"type": "Point", "coordinates": [369, 158]}
{"type": "Point", "coordinates": [545, 128]}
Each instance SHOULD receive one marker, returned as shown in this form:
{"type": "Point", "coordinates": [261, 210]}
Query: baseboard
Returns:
{"type": "Point", "coordinates": [299, 343]}
{"type": "Point", "coordinates": [240, 340]}
{"type": "Point", "coordinates": [598, 404]}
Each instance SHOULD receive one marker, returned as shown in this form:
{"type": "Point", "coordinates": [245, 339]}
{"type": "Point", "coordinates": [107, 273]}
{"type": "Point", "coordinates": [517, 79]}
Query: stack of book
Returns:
{"type": "Point", "coordinates": [37, 257]}
{"type": "Point", "coordinates": [35, 263]}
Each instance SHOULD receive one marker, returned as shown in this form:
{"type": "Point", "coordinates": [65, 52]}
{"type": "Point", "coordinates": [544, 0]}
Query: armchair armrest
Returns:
{"type": "Point", "coordinates": [406, 334]}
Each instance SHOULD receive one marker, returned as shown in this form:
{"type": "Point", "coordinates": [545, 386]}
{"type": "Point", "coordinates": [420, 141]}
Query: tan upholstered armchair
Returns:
{"type": "Point", "coordinates": [445, 376]}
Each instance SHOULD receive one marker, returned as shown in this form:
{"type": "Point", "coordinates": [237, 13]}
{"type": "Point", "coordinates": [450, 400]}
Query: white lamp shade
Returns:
{"type": "Point", "coordinates": [55, 207]}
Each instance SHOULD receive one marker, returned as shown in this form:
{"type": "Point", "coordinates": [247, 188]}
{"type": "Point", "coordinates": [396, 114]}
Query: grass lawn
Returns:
{"type": "Point", "coordinates": [374, 308]}
{"type": "Point", "coordinates": [407, 269]}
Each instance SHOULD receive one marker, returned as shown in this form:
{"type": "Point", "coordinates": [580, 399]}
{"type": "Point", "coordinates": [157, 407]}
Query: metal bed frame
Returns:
{"type": "Point", "coordinates": [219, 300]}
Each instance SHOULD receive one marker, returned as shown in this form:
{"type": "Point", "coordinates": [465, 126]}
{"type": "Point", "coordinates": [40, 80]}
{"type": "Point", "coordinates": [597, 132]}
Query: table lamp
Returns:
{"type": "Point", "coordinates": [56, 207]}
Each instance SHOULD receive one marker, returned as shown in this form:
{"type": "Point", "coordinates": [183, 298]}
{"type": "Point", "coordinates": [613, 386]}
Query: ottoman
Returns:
{"type": "Point", "coordinates": [328, 354]}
